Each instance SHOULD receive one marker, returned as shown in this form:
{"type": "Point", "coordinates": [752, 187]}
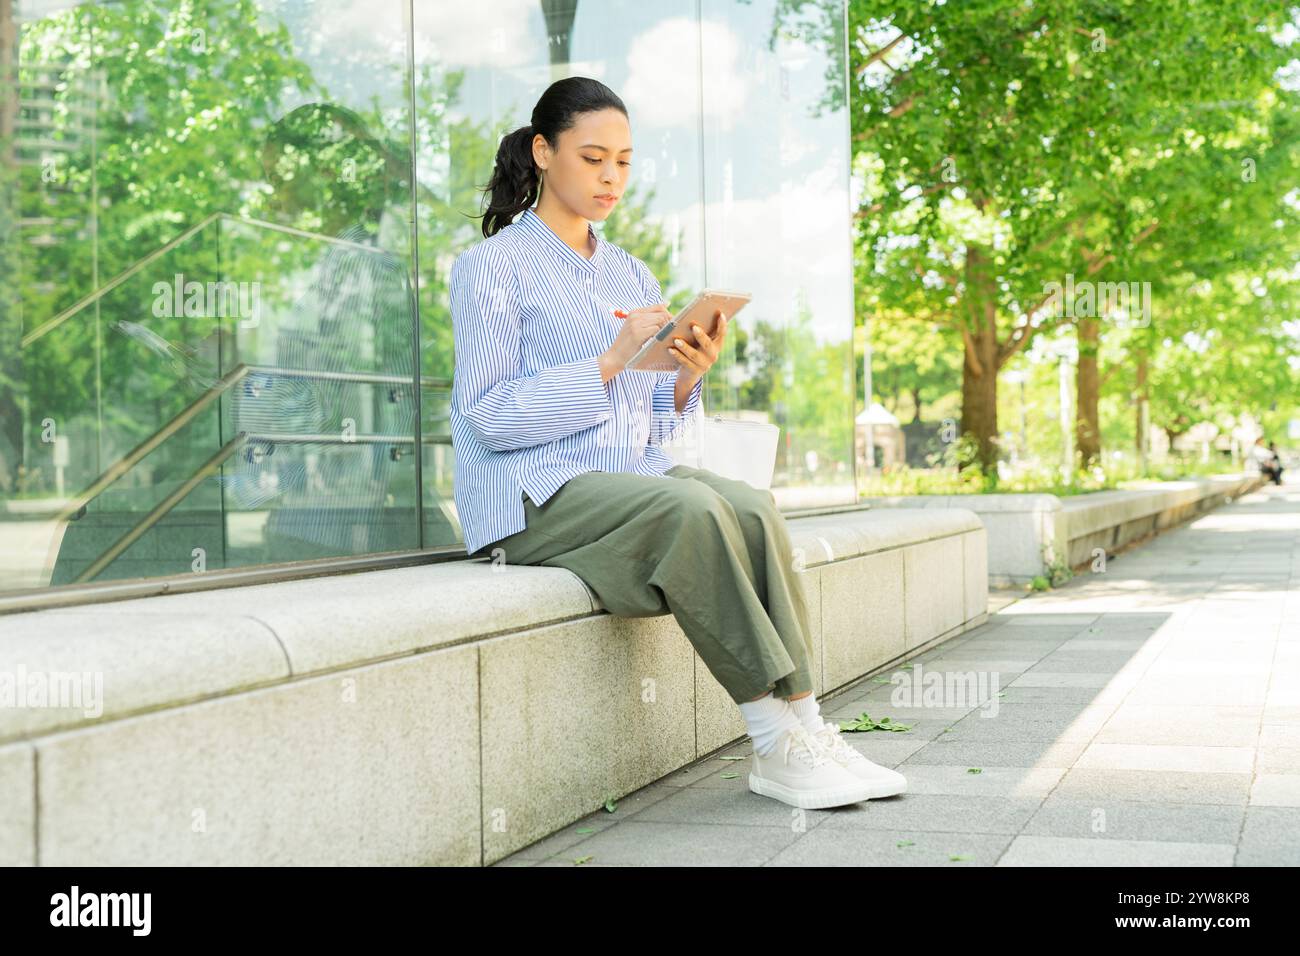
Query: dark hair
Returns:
{"type": "Point", "coordinates": [515, 184]}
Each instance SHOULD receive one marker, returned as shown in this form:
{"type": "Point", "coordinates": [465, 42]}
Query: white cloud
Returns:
{"type": "Point", "coordinates": [458, 34]}
{"type": "Point", "coordinates": [797, 239]}
{"type": "Point", "coordinates": [453, 34]}
{"type": "Point", "coordinates": [662, 87]}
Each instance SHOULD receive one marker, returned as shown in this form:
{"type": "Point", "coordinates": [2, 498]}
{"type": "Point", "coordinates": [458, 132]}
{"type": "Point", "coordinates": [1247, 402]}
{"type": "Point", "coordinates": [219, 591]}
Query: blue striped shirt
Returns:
{"type": "Point", "coordinates": [530, 315]}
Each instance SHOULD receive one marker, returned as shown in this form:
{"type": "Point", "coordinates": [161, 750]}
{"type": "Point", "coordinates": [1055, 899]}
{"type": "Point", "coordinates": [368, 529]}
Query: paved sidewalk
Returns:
{"type": "Point", "coordinates": [1149, 714]}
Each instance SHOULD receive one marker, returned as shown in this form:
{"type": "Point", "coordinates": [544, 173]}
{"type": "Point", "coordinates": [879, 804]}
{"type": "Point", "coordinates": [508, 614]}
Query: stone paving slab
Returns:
{"type": "Point", "coordinates": [1144, 715]}
{"type": "Point", "coordinates": [1066, 851]}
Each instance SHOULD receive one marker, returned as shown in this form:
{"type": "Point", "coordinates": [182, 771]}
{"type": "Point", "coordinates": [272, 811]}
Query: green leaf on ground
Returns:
{"type": "Point", "coordinates": [866, 722]}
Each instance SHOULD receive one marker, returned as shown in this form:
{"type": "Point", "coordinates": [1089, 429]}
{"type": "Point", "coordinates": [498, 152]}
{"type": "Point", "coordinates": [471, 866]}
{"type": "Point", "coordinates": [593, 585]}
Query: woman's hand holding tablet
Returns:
{"type": "Point", "coordinates": [709, 311]}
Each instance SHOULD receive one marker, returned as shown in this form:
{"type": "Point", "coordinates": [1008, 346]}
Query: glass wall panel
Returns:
{"type": "Point", "coordinates": [226, 229]}
{"type": "Point", "coordinates": [208, 322]}
{"type": "Point", "coordinates": [776, 200]}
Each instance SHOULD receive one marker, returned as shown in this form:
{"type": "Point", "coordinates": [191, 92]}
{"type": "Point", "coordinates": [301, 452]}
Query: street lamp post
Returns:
{"type": "Point", "coordinates": [866, 391]}
{"type": "Point", "coordinates": [1067, 437]}
{"type": "Point", "coordinates": [1066, 355]}
{"type": "Point", "coordinates": [1018, 377]}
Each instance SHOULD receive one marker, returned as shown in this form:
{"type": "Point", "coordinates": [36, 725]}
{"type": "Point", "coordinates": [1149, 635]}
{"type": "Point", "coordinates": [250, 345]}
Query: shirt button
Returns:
{"type": "Point", "coordinates": [639, 403]}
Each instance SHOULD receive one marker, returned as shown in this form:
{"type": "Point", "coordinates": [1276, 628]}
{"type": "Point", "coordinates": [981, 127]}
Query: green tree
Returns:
{"type": "Point", "coordinates": [1004, 145]}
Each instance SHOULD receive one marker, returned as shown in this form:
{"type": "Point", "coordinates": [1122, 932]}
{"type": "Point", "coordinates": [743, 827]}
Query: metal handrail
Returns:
{"type": "Point", "coordinates": [164, 507]}
{"type": "Point", "coordinates": [187, 414]}
{"type": "Point", "coordinates": [337, 439]}
{"type": "Point", "coordinates": [77, 504]}
{"type": "Point", "coordinates": [51, 324]}
{"type": "Point", "coordinates": [157, 512]}
{"type": "Point", "coordinates": [129, 460]}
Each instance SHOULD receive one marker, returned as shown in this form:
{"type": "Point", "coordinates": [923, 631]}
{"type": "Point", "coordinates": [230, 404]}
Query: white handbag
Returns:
{"type": "Point", "coordinates": [728, 447]}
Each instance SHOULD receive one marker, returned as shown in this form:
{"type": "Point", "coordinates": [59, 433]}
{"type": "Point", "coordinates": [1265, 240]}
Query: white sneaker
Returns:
{"type": "Point", "coordinates": [883, 781]}
{"type": "Point", "coordinates": [800, 772]}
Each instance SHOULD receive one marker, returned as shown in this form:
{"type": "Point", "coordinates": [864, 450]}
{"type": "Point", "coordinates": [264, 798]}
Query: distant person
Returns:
{"type": "Point", "coordinates": [1277, 463]}
{"type": "Point", "coordinates": [1267, 460]}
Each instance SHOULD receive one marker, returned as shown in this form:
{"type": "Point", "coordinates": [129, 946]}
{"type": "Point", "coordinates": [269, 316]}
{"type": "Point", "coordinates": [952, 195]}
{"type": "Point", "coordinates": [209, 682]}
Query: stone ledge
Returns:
{"type": "Point", "coordinates": [1105, 509]}
{"type": "Point", "coordinates": [332, 699]}
{"type": "Point", "coordinates": [1110, 520]}
{"type": "Point", "coordinates": [174, 649]}
{"type": "Point", "coordinates": [1024, 529]}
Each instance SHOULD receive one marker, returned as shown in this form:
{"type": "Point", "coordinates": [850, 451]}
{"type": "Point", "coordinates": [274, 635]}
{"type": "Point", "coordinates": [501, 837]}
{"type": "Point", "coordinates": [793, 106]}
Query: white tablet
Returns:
{"type": "Point", "coordinates": [702, 311]}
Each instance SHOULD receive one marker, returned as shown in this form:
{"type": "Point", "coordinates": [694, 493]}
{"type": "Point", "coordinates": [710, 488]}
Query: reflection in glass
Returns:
{"type": "Point", "coordinates": [215, 320]}
{"type": "Point", "coordinates": [226, 231]}
{"type": "Point", "coordinates": [777, 220]}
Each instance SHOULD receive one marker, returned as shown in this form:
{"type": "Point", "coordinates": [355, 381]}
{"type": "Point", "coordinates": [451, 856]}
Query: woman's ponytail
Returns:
{"type": "Point", "coordinates": [515, 184]}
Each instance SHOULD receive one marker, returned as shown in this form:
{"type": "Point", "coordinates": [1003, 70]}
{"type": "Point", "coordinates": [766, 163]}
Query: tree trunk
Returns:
{"type": "Point", "coordinates": [979, 378]}
{"type": "Point", "coordinates": [916, 405]}
{"type": "Point", "coordinates": [1087, 422]}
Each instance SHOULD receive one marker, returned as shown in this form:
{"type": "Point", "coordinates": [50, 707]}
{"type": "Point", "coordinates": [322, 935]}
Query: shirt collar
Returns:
{"type": "Point", "coordinates": [535, 226]}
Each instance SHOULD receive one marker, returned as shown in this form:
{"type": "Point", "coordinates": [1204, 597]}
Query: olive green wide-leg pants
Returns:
{"type": "Point", "coordinates": [713, 551]}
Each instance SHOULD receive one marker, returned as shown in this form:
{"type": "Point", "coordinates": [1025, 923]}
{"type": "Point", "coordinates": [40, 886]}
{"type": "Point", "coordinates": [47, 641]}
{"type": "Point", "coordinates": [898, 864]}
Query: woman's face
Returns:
{"type": "Point", "coordinates": [591, 161]}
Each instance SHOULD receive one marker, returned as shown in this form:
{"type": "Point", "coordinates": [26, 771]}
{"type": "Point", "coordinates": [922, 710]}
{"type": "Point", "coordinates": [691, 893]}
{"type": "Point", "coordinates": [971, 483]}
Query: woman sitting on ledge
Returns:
{"type": "Point", "coordinates": [558, 457]}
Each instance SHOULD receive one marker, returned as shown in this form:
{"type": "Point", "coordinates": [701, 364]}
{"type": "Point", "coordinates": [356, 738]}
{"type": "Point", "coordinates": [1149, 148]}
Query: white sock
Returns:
{"type": "Point", "coordinates": [766, 719]}
{"type": "Point", "coordinates": [807, 710]}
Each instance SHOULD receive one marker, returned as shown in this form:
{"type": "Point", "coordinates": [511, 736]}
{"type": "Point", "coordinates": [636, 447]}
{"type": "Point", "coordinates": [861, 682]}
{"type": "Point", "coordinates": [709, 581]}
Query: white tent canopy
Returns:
{"type": "Point", "coordinates": [876, 415]}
